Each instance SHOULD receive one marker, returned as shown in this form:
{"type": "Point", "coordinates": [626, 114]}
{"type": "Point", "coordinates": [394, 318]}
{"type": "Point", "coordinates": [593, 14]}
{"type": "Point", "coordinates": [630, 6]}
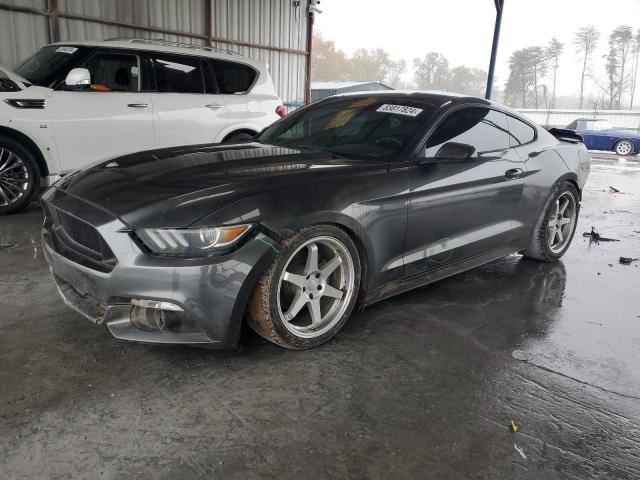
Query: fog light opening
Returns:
{"type": "Point", "coordinates": [160, 316]}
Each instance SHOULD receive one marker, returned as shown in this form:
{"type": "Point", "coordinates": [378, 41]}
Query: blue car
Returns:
{"type": "Point", "coordinates": [600, 135]}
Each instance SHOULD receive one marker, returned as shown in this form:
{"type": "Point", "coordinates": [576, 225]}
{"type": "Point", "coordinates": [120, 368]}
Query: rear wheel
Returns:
{"type": "Point", "coordinates": [624, 147]}
{"type": "Point", "coordinates": [19, 176]}
{"type": "Point", "coordinates": [309, 291]}
{"type": "Point", "coordinates": [556, 226]}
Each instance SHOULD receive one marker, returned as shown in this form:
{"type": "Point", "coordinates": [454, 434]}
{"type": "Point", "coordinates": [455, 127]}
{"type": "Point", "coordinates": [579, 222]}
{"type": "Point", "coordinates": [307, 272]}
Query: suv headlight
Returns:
{"type": "Point", "coordinates": [191, 240]}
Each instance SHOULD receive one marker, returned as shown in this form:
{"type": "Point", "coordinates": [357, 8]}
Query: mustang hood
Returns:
{"type": "Point", "coordinates": [175, 187]}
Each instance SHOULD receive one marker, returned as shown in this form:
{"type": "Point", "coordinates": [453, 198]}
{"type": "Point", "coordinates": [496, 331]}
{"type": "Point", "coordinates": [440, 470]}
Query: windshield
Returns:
{"type": "Point", "coordinates": [356, 126]}
{"type": "Point", "coordinates": [49, 64]}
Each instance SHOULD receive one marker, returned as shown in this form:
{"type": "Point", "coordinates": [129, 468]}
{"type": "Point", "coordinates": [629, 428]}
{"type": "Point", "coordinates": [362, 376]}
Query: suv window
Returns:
{"type": "Point", "coordinates": [480, 127]}
{"type": "Point", "coordinates": [114, 72]}
{"type": "Point", "coordinates": [519, 132]}
{"type": "Point", "coordinates": [178, 74]}
{"type": "Point", "coordinates": [233, 77]}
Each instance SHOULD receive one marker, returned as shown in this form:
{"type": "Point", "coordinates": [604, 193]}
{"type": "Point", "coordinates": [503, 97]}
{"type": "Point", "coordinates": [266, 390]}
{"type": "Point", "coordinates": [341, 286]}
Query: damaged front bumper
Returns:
{"type": "Point", "coordinates": [102, 273]}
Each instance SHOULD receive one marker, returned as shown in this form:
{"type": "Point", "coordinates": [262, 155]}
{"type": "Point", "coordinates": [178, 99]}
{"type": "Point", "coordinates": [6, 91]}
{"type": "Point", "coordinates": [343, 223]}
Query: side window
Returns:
{"type": "Point", "coordinates": [582, 125]}
{"type": "Point", "coordinates": [178, 74]}
{"type": "Point", "coordinates": [233, 77]}
{"type": "Point", "coordinates": [519, 132]}
{"type": "Point", "coordinates": [114, 72]}
{"type": "Point", "coordinates": [480, 127]}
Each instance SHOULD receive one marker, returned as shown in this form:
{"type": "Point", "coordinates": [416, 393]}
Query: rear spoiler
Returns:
{"type": "Point", "coordinates": [565, 135]}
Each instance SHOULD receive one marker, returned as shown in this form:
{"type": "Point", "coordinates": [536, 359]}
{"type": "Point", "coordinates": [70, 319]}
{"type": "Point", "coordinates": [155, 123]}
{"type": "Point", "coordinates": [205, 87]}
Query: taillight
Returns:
{"type": "Point", "coordinates": [280, 110]}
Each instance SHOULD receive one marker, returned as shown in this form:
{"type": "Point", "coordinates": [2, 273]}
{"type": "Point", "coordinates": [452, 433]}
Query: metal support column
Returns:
{"type": "Point", "coordinates": [494, 47]}
{"type": "Point", "coordinates": [54, 21]}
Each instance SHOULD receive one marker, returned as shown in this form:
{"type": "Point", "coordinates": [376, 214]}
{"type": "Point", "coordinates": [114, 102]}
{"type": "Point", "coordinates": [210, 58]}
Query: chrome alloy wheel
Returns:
{"type": "Point", "coordinates": [624, 147]}
{"type": "Point", "coordinates": [562, 222]}
{"type": "Point", "coordinates": [14, 177]}
{"type": "Point", "coordinates": [316, 287]}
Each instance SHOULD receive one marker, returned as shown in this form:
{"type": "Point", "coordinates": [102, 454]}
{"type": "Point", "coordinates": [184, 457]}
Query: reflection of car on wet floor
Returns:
{"type": "Point", "coordinates": [598, 134]}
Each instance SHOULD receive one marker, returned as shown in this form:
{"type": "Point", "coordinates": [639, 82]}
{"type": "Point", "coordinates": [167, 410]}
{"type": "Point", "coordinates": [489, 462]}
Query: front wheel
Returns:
{"type": "Point", "coordinates": [556, 226]}
{"type": "Point", "coordinates": [19, 176]}
{"type": "Point", "coordinates": [623, 147]}
{"type": "Point", "coordinates": [308, 293]}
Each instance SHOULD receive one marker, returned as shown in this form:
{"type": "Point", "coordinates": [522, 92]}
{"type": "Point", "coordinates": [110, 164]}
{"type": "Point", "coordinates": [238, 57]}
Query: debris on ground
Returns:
{"type": "Point", "coordinates": [513, 427]}
{"type": "Point", "coordinates": [520, 451]}
{"type": "Point", "coordinates": [520, 355]}
{"type": "Point", "coordinates": [627, 260]}
{"type": "Point", "coordinates": [7, 246]}
{"type": "Point", "coordinates": [614, 190]}
{"type": "Point", "coordinates": [594, 236]}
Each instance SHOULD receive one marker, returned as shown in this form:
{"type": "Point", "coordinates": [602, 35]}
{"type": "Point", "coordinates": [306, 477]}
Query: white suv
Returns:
{"type": "Point", "coordinates": [71, 104]}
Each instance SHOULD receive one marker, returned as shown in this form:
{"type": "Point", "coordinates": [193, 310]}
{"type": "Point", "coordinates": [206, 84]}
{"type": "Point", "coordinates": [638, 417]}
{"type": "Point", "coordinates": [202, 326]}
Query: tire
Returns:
{"type": "Point", "coordinates": [624, 147]}
{"type": "Point", "coordinates": [19, 176]}
{"type": "Point", "coordinates": [281, 307]}
{"type": "Point", "coordinates": [546, 244]}
{"type": "Point", "coordinates": [239, 137]}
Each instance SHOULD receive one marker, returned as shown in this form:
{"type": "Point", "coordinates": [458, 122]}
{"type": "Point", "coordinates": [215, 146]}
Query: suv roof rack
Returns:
{"type": "Point", "coordinates": [160, 41]}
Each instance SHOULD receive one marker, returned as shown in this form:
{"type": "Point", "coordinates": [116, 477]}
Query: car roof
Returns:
{"type": "Point", "coordinates": [169, 47]}
{"type": "Point", "coordinates": [433, 96]}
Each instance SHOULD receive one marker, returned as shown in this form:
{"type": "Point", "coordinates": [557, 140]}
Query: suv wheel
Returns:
{"type": "Point", "coordinates": [306, 295]}
{"type": "Point", "coordinates": [239, 137]}
{"type": "Point", "coordinates": [19, 176]}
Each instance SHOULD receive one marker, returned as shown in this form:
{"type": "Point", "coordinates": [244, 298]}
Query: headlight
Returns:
{"type": "Point", "coordinates": [190, 240]}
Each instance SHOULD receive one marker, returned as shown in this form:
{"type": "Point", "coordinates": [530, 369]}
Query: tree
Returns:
{"type": "Point", "coordinates": [526, 69]}
{"type": "Point", "coordinates": [395, 71]}
{"type": "Point", "coordinates": [470, 81]}
{"type": "Point", "coordinates": [586, 41]}
{"type": "Point", "coordinates": [432, 72]}
{"type": "Point", "coordinates": [327, 62]}
{"type": "Point", "coordinates": [635, 66]}
{"type": "Point", "coordinates": [370, 65]}
{"type": "Point", "coordinates": [620, 47]}
{"type": "Point", "coordinates": [554, 49]}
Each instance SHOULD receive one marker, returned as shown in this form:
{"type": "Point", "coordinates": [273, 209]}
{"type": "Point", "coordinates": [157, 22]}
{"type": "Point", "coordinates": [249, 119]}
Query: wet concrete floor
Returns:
{"type": "Point", "coordinates": [420, 386]}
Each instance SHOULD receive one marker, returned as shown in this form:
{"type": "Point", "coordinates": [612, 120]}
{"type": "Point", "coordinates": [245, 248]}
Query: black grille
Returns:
{"type": "Point", "coordinates": [81, 232]}
{"type": "Point", "coordinates": [77, 240]}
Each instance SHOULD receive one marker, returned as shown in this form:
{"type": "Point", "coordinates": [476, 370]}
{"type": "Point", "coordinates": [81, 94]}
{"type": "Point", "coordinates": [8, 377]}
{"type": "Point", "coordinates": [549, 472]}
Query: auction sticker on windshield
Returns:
{"type": "Point", "coordinates": [399, 110]}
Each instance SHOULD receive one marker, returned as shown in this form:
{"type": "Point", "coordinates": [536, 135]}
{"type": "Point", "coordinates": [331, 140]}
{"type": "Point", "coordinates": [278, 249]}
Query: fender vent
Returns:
{"type": "Point", "coordinates": [31, 103]}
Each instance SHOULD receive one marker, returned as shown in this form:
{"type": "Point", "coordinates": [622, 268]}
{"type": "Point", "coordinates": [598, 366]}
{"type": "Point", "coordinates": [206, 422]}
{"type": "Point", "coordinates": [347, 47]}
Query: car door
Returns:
{"type": "Point", "coordinates": [465, 189]}
{"type": "Point", "coordinates": [113, 117]}
{"type": "Point", "coordinates": [186, 108]}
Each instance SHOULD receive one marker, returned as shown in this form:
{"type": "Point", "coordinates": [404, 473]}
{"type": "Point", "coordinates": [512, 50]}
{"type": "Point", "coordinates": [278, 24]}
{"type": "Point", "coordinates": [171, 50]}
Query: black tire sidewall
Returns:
{"type": "Point", "coordinates": [32, 168]}
{"type": "Point", "coordinates": [239, 137]}
{"type": "Point", "coordinates": [559, 190]}
{"type": "Point", "coordinates": [292, 340]}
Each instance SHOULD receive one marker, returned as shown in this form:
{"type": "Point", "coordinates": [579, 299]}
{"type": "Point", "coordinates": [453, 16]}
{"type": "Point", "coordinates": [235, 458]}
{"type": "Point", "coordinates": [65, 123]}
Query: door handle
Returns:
{"type": "Point", "coordinates": [137, 105]}
{"type": "Point", "coordinates": [513, 173]}
{"type": "Point", "coordinates": [213, 106]}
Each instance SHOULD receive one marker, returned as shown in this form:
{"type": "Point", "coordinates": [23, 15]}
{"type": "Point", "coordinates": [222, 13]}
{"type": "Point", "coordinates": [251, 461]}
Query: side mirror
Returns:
{"type": "Point", "coordinates": [78, 79]}
{"type": "Point", "coordinates": [454, 152]}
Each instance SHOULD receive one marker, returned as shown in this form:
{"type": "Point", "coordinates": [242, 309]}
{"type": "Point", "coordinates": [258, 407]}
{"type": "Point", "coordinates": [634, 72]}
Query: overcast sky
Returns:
{"type": "Point", "coordinates": [462, 29]}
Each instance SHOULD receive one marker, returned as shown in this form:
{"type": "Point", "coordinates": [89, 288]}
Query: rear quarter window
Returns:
{"type": "Point", "coordinates": [233, 77]}
{"type": "Point", "coordinates": [520, 132]}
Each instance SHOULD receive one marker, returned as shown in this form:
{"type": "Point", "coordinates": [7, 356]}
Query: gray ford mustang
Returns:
{"type": "Point", "coordinates": [340, 204]}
